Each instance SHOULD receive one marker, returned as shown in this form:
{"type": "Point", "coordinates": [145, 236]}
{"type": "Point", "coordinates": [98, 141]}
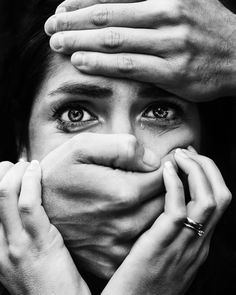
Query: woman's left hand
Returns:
{"type": "Point", "coordinates": [185, 47]}
{"type": "Point", "coordinates": [33, 257]}
{"type": "Point", "coordinates": [167, 257]}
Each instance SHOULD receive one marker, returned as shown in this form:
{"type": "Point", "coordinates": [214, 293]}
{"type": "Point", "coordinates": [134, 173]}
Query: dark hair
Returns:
{"type": "Point", "coordinates": [25, 67]}
{"type": "Point", "coordinates": [27, 64]}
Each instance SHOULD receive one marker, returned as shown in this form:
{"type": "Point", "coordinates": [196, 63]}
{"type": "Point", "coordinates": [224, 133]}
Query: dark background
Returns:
{"type": "Point", "coordinates": [11, 15]}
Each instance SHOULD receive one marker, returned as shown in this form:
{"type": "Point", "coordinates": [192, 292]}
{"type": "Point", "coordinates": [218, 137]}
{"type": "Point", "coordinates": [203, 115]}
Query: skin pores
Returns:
{"type": "Point", "coordinates": [70, 102]}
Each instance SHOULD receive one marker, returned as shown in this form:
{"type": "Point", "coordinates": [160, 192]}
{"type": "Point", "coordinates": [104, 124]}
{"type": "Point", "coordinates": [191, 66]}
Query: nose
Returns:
{"type": "Point", "coordinates": [120, 122]}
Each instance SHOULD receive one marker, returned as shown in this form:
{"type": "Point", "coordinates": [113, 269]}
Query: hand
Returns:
{"type": "Point", "coordinates": [33, 257]}
{"type": "Point", "coordinates": [99, 208]}
{"type": "Point", "coordinates": [167, 257]}
{"type": "Point", "coordinates": [185, 47]}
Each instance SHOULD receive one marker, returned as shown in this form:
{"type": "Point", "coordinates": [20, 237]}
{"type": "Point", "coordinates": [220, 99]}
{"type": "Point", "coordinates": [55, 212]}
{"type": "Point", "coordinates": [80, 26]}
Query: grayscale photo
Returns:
{"type": "Point", "coordinates": [118, 147]}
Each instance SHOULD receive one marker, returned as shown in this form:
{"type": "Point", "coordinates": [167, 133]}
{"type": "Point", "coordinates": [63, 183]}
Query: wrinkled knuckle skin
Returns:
{"type": "Point", "coordinates": [179, 188]}
{"type": "Point", "coordinates": [100, 16]}
{"type": "Point", "coordinates": [63, 24]}
{"type": "Point", "coordinates": [125, 64]}
{"type": "Point", "coordinates": [128, 231]}
{"type": "Point", "coordinates": [15, 254]}
{"type": "Point", "coordinates": [4, 191]}
{"type": "Point", "coordinates": [112, 39]}
{"type": "Point", "coordinates": [26, 209]}
{"type": "Point", "coordinates": [179, 217]}
{"type": "Point", "coordinates": [5, 164]}
{"type": "Point", "coordinates": [208, 207]}
{"type": "Point", "coordinates": [125, 198]}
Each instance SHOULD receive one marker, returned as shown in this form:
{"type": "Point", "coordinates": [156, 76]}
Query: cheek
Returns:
{"type": "Point", "coordinates": [164, 143]}
{"type": "Point", "coordinates": [43, 139]}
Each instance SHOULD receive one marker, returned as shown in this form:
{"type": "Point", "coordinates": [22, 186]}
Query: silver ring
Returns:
{"type": "Point", "coordinates": [195, 226]}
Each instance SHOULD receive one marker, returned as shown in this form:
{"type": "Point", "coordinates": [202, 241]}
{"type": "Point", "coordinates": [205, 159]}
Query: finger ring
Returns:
{"type": "Point", "coordinates": [195, 226]}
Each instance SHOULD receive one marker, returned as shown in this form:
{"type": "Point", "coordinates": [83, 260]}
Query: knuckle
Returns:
{"type": "Point", "coordinates": [63, 24]}
{"type": "Point", "coordinates": [128, 229]}
{"type": "Point", "coordinates": [207, 161]}
{"type": "Point", "coordinates": [225, 197]}
{"type": "Point", "coordinates": [179, 187]}
{"type": "Point", "coordinates": [209, 205]}
{"type": "Point", "coordinates": [100, 16]}
{"type": "Point", "coordinates": [112, 39]}
{"type": "Point", "coordinates": [183, 34]}
{"type": "Point", "coordinates": [126, 197]}
{"type": "Point", "coordinates": [5, 190]}
{"type": "Point", "coordinates": [5, 164]}
{"type": "Point", "coordinates": [16, 253]}
{"type": "Point", "coordinates": [26, 208]}
{"type": "Point", "coordinates": [179, 216]}
{"type": "Point", "coordinates": [125, 64]}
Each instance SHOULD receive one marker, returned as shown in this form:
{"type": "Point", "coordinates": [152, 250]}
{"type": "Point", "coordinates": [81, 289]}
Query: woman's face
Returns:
{"type": "Point", "coordinates": [70, 102]}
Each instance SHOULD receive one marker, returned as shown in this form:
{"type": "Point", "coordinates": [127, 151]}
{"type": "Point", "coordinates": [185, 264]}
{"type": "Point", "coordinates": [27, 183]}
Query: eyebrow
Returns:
{"type": "Point", "coordinates": [90, 90]}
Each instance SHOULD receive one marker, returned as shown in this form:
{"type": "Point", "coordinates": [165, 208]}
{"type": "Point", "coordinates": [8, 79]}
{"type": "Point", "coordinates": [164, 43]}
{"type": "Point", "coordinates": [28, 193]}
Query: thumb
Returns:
{"type": "Point", "coordinates": [122, 151]}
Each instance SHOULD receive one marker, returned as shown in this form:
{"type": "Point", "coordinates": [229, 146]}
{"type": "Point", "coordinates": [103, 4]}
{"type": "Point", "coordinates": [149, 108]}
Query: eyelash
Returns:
{"type": "Point", "coordinates": [69, 127]}
{"type": "Point", "coordinates": [175, 107]}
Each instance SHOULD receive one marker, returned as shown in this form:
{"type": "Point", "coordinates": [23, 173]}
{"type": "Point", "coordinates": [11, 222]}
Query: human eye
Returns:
{"type": "Point", "coordinates": [72, 117]}
{"type": "Point", "coordinates": [163, 113]}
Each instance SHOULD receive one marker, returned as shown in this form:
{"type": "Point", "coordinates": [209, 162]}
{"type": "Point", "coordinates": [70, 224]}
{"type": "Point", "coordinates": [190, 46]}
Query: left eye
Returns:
{"type": "Point", "coordinates": [159, 112]}
{"type": "Point", "coordinates": [75, 115]}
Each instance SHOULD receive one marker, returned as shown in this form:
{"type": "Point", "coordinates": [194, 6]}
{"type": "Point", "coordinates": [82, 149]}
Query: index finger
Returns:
{"type": "Point", "coordinates": [71, 5]}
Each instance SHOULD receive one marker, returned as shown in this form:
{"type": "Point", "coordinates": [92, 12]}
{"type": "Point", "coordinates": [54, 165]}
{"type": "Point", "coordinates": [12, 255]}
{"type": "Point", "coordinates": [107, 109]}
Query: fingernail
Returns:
{"type": "Point", "coordinates": [50, 26]}
{"type": "Point", "coordinates": [150, 158]}
{"type": "Point", "coordinates": [181, 153]}
{"type": "Point", "coordinates": [60, 9]}
{"type": "Point", "coordinates": [170, 168]}
{"type": "Point", "coordinates": [191, 149]}
{"type": "Point", "coordinates": [57, 41]}
{"type": "Point", "coordinates": [34, 165]}
{"type": "Point", "coordinates": [78, 59]}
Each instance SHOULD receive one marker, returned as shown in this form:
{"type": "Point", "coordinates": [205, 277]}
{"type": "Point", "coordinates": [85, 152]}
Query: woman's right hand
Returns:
{"type": "Point", "coordinates": [33, 257]}
{"type": "Point", "coordinates": [166, 258]}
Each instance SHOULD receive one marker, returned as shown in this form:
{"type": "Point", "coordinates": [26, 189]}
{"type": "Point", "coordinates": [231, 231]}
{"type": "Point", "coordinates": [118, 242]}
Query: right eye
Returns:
{"type": "Point", "coordinates": [73, 117]}
{"type": "Point", "coordinates": [76, 115]}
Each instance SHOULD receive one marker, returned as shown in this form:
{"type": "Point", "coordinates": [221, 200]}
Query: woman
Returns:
{"type": "Point", "coordinates": [49, 112]}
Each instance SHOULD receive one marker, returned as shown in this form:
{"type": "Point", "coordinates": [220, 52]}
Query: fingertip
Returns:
{"type": "Point", "coordinates": [150, 159]}
{"type": "Point", "coordinates": [34, 167]}
{"type": "Point", "coordinates": [180, 154]}
{"type": "Point", "coordinates": [169, 168]}
{"type": "Point", "coordinates": [56, 42]}
{"type": "Point", "coordinates": [77, 59]}
{"type": "Point", "coordinates": [50, 26]}
{"type": "Point", "coordinates": [192, 149]}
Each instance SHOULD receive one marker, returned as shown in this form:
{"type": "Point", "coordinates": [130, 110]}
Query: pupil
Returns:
{"type": "Point", "coordinates": [75, 115]}
{"type": "Point", "coordinates": [161, 113]}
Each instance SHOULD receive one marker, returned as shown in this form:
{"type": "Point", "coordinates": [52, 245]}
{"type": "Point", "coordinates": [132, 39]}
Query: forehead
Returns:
{"type": "Point", "coordinates": [63, 76]}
